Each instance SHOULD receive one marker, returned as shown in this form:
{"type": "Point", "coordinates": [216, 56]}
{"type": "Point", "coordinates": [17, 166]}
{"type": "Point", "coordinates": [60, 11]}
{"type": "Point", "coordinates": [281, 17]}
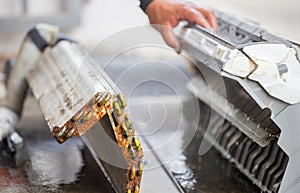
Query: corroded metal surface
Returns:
{"type": "Point", "coordinates": [73, 96]}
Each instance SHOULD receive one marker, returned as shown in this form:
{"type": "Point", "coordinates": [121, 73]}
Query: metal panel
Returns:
{"type": "Point", "coordinates": [265, 113]}
{"type": "Point", "coordinates": [224, 108]}
{"type": "Point", "coordinates": [155, 179]}
{"type": "Point", "coordinates": [71, 84]}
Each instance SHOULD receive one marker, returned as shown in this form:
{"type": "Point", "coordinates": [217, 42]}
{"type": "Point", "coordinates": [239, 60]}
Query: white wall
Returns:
{"type": "Point", "coordinates": [35, 7]}
{"type": "Point", "coordinates": [10, 8]}
{"type": "Point", "coordinates": [101, 18]}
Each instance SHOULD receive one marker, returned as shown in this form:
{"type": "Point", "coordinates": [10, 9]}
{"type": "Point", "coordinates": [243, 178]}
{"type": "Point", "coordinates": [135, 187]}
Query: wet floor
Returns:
{"type": "Point", "coordinates": [209, 173]}
{"type": "Point", "coordinates": [49, 166]}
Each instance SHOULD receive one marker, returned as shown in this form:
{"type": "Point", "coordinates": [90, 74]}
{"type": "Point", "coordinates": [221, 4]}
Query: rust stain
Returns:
{"type": "Point", "coordinates": [62, 111]}
{"type": "Point", "coordinates": [10, 177]}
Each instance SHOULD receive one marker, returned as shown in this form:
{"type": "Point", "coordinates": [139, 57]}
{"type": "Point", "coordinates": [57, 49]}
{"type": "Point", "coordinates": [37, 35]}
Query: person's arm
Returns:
{"type": "Point", "coordinates": [168, 13]}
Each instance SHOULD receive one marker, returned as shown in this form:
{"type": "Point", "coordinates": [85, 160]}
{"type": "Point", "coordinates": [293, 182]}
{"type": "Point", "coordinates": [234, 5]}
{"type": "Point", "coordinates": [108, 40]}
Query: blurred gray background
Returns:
{"type": "Point", "coordinates": [91, 21]}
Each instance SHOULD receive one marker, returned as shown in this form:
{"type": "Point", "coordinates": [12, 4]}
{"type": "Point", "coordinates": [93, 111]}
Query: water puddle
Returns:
{"type": "Point", "coordinates": [209, 173]}
{"type": "Point", "coordinates": [52, 164]}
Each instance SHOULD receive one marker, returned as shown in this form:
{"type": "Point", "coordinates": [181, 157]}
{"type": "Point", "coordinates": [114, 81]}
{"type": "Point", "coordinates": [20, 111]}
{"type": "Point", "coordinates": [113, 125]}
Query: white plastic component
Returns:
{"type": "Point", "coordinates": [221, 53]}
{"type": "Point", "coordinates": [8, 120]}
{"type": "Point", "coordinates": [269, 58]}
{"type": "Point", "coordinates": [239, 64]}
{"type": "Point", "coordinates": [274, 66]}
{"type": "Point", "coordinates": [48, 32]}
{"type": "Point", "coordinates": [16, 138]}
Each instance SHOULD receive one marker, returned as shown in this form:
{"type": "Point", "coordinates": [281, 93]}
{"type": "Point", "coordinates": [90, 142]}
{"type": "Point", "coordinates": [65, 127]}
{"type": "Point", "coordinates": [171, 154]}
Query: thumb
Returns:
{"type": "Point", "coordinates": [170, 38]}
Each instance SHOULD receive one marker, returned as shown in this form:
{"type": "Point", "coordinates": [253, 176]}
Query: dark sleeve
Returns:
{"type": "Point", "coordinates": [144, 4]}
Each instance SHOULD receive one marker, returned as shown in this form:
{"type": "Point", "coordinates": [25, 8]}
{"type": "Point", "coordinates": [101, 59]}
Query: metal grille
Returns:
{"type": "Point", "coordinates": [265, 166]}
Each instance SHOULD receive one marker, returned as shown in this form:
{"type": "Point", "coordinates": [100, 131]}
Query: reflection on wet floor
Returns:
{"type": "Point", "coordinates": [45, 160]}
{"type": "Point", "coordinates": [177, 146]}
{"type": "Point", "coordinates": [49, 166]}
{"type": "Point", "coordinates": [210, 173]}
{"type": "Point", "coordinates": [55, 170]}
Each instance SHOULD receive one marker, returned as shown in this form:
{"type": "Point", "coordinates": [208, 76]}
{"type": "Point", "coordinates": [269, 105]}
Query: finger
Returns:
{"type": "Point", "coordinates": [193, 16]}
{"type": "Point", "coordinates": [210, 16]}
{"type": "Point", "coordinates": [170, 38]}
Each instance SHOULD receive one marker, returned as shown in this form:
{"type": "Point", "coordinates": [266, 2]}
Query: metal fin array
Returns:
{"type": "Point", "coordinates": [114, 107]}
{"type": "Point", "coordinates": [74, 96]}
{"type": "Point", "coordinates": [129, 142]}
{"type": "Point", "coordinates": [241, 100]}
{"type": "Point", "coordinates": [265, 166]}
{"type": "Point", "coordinates": [231, 100]}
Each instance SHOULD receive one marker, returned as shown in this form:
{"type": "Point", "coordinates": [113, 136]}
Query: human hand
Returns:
{"type": "Point", "coordinates": [168, 13]}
